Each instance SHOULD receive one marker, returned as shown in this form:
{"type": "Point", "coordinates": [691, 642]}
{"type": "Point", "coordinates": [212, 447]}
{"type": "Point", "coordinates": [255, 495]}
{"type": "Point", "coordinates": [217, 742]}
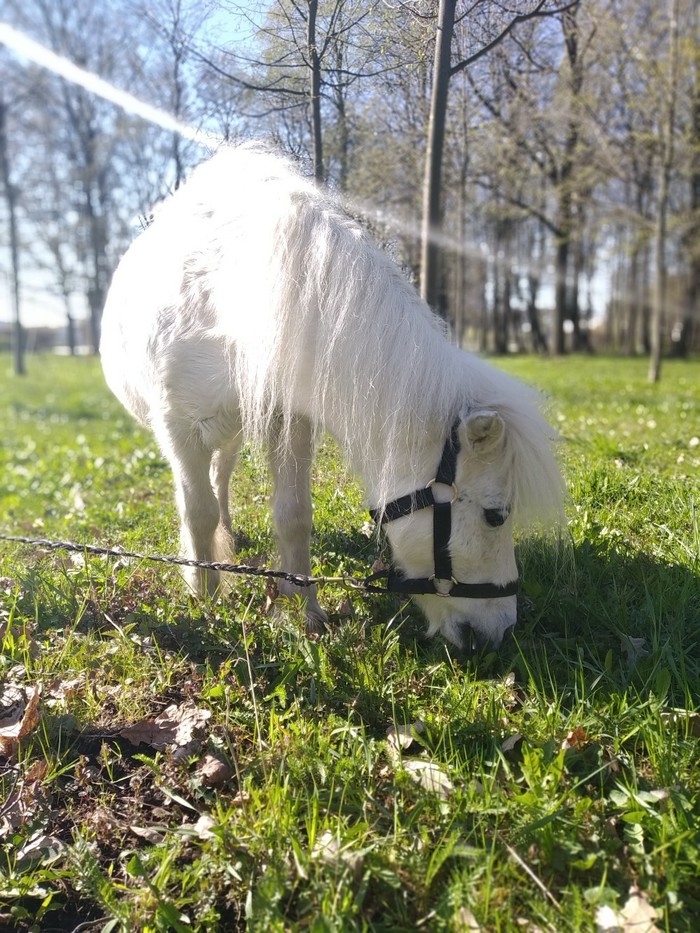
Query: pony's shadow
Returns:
{"type": "Point", "coordinates": [588, 600]}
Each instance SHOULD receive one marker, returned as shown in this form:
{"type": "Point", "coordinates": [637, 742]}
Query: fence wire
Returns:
{"type": "Point", "coordinates": [365, 584]}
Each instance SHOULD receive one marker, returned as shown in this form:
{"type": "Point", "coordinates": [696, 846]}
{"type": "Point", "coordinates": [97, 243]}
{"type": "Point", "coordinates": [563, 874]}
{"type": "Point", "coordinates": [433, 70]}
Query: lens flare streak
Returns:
{"type": "Point", "coordinates": [25, 48]}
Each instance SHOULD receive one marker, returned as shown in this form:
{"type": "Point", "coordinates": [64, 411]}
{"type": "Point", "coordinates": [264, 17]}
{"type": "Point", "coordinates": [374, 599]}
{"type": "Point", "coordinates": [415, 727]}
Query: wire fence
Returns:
{"type": "Point", "coordinates": [366, 584]}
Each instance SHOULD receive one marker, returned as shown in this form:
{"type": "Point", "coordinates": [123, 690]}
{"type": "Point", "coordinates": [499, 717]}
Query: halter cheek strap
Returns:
{"type": "Point", "coordinates": [442, 581]}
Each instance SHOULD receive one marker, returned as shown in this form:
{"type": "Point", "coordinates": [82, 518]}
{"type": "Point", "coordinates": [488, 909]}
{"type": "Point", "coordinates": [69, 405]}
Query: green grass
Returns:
{"type": "Point", "coordinates": [571, 754]}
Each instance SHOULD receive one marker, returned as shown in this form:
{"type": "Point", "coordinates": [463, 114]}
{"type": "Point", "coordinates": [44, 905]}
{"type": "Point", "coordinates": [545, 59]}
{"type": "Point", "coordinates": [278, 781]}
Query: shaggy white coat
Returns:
{"type": "Point", "coordinates": [254, 307]}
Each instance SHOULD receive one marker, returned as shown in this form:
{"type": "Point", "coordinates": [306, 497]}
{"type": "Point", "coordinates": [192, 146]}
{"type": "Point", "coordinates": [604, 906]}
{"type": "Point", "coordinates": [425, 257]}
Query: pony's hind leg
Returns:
{"type": "Point", "coordinates": [292, 514]}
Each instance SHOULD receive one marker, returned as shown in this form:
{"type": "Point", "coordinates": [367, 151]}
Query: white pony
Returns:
{"type": "Point", "coordinates": [254, 308]}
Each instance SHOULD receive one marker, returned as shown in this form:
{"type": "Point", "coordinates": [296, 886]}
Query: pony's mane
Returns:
{"type": "Point", "coordinates": [328, 309]}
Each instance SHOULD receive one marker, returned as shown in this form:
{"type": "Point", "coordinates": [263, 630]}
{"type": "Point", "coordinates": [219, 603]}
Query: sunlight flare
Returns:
{"type": "Point", "coordinates": [25, 48]}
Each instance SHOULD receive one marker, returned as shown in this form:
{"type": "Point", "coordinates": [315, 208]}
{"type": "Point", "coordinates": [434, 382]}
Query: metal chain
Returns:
{"type": "Point", "coordinates": [297, 579]}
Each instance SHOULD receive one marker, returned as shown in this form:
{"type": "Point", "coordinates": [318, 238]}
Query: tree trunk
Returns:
{"type": "Point", "coordinates": [70, 333]}
{"type": "Point", "coordinates": [430, 267]}
{"type": "Point", "coordinates": [11, 198]}
{"type": "Point", "coordinates": [315, 93]}
{"type": "Point", "coordinates": [98, 287]}
{"type": "Point", "coordinates": [565, 193]}
{"type": "Point", "coordinates": [692, 239]}
{"type": "Point", "coordinates": [560, 274]}
{"type": "Point", "coordinates": [538, 341]}
{"type": "Point", "coordinates": [666, 164]}
{"type": "Point", "coordinates": [632, 304]}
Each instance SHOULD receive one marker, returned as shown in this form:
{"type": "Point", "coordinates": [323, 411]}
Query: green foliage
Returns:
{"type": "Point", "coordinates": [544, 782]}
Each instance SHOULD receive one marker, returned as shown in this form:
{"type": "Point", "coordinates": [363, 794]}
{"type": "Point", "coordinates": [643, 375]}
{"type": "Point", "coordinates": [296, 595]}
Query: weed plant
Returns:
{"type": "Point", "coordinates": [534, 788]}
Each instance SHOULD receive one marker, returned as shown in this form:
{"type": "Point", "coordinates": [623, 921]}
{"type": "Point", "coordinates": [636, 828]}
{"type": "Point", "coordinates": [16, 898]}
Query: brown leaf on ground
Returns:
{"type": "Point", "coordinates": [465, 922]}
{"type": "Point", "coordinates": [61, 689]}
{"type": "Point", "coordinates": [577, 738]}
{"type": "Point", "coordinates": [204, 826]}
{"type": "Point", "coordinates": [11, 695]}
{"type": "Point", "coordinates": [20, 720]}
{"type": "Point", "coordinates": [41, 848]}
{"type": "Point", "coordinates": [329, 850]}
{"type": "Point", "coordinates": [152, 834]}
{"type": "Point", "coordinates": [509, 746]}
{"type": "Point", "coordinates": [24, 799]}
{"type": "Point", "coordinates": [214, 772]}
{"type": "Point", "coordinates": [683, 719]}
{"type": "Point", "coordinates": [180, 728]}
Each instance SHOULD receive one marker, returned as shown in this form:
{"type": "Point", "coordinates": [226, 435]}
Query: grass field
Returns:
{"type": "Point", "coordinates": [554, 785]}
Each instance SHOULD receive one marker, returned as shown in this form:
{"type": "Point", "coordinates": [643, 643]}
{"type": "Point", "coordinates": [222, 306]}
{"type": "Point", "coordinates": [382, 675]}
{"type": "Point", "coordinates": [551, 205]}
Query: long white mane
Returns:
{"type": "Point", "coordinates": [321, 320]}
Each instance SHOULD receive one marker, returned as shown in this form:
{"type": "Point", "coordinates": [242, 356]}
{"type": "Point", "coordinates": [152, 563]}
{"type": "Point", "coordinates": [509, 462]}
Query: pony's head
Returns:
{"type": "Point", "coordinates": [452, 542]}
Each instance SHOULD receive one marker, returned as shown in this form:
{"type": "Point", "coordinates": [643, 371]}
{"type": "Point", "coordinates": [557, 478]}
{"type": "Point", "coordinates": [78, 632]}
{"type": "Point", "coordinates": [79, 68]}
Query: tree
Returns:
{"type": "Point", "coordinates": [11, 201]}
{"type": "Point", "coordinates": [644, 148]}
{"type": "Point", "coordinates": [666, 133]}
{"type": "Point", "coordinates": [495, 24]}
{"type": "Point", "coordinates": [309, 55]}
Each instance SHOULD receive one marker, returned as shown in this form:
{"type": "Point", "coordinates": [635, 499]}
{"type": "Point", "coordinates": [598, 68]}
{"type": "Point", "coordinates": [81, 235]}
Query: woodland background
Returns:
{"type": "Point", "coordinates": [533, 165]}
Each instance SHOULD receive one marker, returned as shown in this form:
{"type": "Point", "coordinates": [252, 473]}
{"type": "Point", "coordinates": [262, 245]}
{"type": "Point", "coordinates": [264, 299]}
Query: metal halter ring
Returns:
{"type": "Point", "coordinates": [453, 486]}
{"type": "Point", "coordinates": [433, 579]}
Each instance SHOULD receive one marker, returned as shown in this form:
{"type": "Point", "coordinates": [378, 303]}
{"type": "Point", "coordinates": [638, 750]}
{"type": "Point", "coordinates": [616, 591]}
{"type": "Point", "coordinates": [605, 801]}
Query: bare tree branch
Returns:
{"type": "Point", "coordinates": [538, 12]}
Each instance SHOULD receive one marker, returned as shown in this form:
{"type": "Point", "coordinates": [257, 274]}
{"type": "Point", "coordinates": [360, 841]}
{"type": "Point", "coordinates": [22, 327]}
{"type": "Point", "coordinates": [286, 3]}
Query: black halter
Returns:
{"type": "Point", "coordinates": [442, 529]}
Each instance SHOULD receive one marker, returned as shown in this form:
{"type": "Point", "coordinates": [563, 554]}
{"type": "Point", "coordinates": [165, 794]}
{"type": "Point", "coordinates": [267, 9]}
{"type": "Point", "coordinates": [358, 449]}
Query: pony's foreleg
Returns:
{"type": "Point", "coordinates": [222, 466]}
{"type": "Point", "coordinates": [292, 515]}
{"type": "Point", "coordinates": [197, 505]}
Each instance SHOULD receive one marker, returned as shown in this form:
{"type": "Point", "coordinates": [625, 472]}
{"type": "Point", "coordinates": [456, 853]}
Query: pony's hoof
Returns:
{"type": "Point", "coordinates": [316, 622]}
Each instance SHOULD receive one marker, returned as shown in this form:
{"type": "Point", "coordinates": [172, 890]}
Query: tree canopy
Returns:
{"type": "Point", "coordinates": [534, 166]}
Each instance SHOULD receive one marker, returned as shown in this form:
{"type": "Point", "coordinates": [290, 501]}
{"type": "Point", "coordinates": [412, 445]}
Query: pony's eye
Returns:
{"type": "Point", "coordinates": [496, 517]}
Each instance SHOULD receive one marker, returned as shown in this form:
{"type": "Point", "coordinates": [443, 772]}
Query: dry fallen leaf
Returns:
{"type": "Point", "coordinates": [401, 738]}
{"type": "Point", "coordinates": [214, 772]}
{"type": "Point", "coordinates": [178, 727]}
{"type": "Point", "coordinates": [329, 850]}
{"type": "Point", "coordinates": [637, 916]}
{"type": "Point", "coordinates": [152, 834]}
{"type": "Point", "coordinates": [203, 827]}
{"type": "Point", "coordinates": [41, 848]}
{"type": "Point", "coordinates": [577, 738]}
{"type": "Point", "coordinates": [464, 921]}
{"type": "Point", "coordinates": [24, 799]}
{"type": "Point", "coordinates": [60, 689]}
{"type": "Point", "coordinates": [683, 719]}
{"type": "Point", "coordinates": [634, 649]}
{"type": "Point", "coordinates": [430, 776]}
{"type": "Point", "coordinates": [22, 719]}
{"type": "Point", "coordinates": [509, 745]}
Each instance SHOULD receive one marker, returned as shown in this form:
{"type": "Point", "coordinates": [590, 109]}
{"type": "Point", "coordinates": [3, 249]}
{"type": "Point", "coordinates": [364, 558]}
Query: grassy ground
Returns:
{"type": "Point", "coordinates": [550, 786]}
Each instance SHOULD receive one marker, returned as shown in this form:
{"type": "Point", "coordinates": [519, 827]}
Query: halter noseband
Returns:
{"type": "Point", "coordinates": [442, 582]}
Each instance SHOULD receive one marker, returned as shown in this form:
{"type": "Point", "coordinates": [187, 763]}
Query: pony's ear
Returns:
{"type": "Point", "coordinates": [482, 430]}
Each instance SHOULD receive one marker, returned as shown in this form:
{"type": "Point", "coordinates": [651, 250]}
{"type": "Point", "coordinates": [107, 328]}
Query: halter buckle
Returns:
{"type": "Point", "coordinates": [453, 487]}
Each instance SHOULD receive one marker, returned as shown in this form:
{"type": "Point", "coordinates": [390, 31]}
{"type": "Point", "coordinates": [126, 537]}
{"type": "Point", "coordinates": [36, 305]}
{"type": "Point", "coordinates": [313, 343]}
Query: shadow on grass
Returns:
{"type": "Point", "coordinates": [628, 619]}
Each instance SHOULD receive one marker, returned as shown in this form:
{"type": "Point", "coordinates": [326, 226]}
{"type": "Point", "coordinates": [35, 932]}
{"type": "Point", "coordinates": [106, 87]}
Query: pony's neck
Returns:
{"type": "Point", "coordinates": [403, 472]}
{"type": "Point", "coordinates": [396, 429]}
